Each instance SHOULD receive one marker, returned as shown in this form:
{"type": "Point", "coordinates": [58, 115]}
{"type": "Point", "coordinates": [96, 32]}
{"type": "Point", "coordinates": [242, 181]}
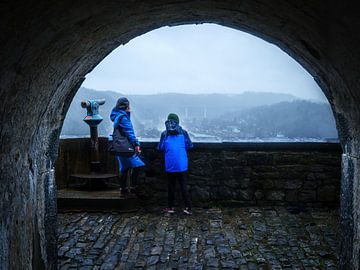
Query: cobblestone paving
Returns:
{"type": "Point", "coordinates": [217, 238]}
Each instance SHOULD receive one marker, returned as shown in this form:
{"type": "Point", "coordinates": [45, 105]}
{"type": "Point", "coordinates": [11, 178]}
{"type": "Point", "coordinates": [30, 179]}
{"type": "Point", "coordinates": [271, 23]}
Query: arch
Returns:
{"type": "Point", "coordinates": [48, 47]}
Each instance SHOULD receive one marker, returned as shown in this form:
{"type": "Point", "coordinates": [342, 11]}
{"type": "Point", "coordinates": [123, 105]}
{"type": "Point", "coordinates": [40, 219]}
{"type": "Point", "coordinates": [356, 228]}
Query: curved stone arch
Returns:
{"type": "Point", "coordinates": [48, 47]}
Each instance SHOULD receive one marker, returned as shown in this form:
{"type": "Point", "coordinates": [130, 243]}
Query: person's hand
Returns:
{"type": "Point", "coordinates": [137, 149]}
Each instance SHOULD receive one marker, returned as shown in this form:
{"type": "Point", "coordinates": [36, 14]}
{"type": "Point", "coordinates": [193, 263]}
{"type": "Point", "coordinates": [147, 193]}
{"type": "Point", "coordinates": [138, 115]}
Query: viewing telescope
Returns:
{"type": "Point", "coordinates": [93, 119]}
{"type": "Point", "coordinates": [96, 178]}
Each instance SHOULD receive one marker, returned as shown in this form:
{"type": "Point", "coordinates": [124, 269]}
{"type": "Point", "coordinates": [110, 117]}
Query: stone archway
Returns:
{"type": "Point", "coordinates": [47, 47]}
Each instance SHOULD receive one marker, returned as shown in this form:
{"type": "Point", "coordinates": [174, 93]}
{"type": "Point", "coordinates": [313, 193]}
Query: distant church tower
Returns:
{"type": "Point", "coordinates": [205, 112]}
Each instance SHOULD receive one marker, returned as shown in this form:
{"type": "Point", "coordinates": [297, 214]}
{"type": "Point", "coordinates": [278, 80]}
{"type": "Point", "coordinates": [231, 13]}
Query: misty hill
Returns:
{"type": "Point", "coordinates": [296, 119]}
{"type": "Point", "coordinates": [153, 109]}
{"type": "Point", "coordinates": [201, 105]}
{"type": "Point", "coordinates": [247, 115]}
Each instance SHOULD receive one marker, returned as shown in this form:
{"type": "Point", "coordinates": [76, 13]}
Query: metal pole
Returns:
{"type": "Point", "coordinates": [93, 119]}
{"type": "Point", "coordinates": [95, 157]}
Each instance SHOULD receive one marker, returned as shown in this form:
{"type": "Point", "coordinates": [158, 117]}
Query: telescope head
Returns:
{"type": "Point", "coordinates": [92, 107]}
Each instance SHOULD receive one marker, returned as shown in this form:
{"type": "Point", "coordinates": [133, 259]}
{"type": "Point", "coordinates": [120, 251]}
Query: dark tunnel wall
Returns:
{"type": "Point", "coordinates": [47, 47]}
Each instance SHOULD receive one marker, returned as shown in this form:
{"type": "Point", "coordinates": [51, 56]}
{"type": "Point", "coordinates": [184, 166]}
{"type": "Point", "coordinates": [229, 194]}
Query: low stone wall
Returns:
{"type": "Point", "coordinates": [237, 173]}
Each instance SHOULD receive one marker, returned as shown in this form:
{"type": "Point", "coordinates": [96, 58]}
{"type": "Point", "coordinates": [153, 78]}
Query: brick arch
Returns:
{"type": "Point", "coordinates": [47, 47]}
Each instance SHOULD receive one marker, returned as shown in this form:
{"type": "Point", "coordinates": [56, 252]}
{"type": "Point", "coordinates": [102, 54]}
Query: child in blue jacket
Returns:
{"type": "Point", "coordinates": [120, 115]}
{"type": "Point", "coordinates": [175, 142]}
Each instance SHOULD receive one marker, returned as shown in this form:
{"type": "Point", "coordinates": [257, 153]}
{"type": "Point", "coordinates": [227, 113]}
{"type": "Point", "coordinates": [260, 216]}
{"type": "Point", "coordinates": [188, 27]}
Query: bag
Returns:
{"type": "Point", "coordinates": [120, 144]}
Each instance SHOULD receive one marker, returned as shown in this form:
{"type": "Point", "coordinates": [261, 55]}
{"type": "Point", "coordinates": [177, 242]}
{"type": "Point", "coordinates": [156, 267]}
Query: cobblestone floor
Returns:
{"type": "Point", "coordinates": [217, 238]}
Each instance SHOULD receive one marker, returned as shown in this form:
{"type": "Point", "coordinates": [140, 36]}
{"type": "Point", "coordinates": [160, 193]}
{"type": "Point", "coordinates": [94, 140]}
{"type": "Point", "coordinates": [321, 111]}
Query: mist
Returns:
{"type": "Point", "coordinates": [201, 59]}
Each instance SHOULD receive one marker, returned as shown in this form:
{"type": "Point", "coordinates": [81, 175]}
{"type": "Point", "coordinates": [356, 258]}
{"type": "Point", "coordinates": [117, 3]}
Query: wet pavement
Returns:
{"type": "Point", "coordinates": [215, 238]}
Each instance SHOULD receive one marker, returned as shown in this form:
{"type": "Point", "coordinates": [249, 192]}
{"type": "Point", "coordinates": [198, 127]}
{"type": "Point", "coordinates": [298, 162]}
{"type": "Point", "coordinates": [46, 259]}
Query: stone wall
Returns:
{"type": "Point", "coordinates": [236, 173]}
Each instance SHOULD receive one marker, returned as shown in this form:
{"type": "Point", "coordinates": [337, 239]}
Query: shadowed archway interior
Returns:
{"type": "Point", "coordinates": [47, 47]}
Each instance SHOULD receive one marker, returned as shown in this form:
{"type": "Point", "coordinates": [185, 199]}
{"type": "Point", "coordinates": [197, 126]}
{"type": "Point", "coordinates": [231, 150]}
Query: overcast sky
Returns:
{"type": "Point", "coordinates": [205, 58]}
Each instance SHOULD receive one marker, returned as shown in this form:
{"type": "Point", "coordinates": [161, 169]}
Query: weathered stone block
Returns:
{"type": "Point", "coordinates": [291, 195]}
{"type": "Point", "coordinates": [241, 172]}
{"type": "Point", "coordinates": [271, 174]}
{"type": "Point", "coordinates": [332, 179]}
{"type": "Point", "coordinates": [233, 161]}
{"type": "Point", "coordinates": [311, 177]}
{"type": "Point", "coordinates": [326, 194]}
{"type": "Point", "coordinates": [259, 159]}
{"type": "Point", "coordinates": [231, 182]}
{"type": "Point", "coordinates": [286, 158]}
{"type": "Point", "coordinates": [244, 183]}
{"type": "Point", "coordinates": [198, 179]}
{"type": "Point", "coordinates": [321, 176]}
{"type": "Point", "coordinates": [307, 195]}
{"type": "Point", "coordinates": [293, 184]}
{"type": "Point", "coordinates": [263, 169]}
{"type": "Point", "coordinates": [200, 193]}
{"type": "Point", "coordinates": [224, 192]}
{"type": "Point", "coordinates": [259, 194]}
{"type": "Point", "coordinates": [245, 195]}
{"type": "Point", "coordinates": [317, 168]}
{"type": "Point", "coordinates": [267, 183]}
{"type": "Point", "coordinates": [310, 184]}
{"type": "Point", "coordinates": [222, 173]}
{"type": "Point", "coordinates": [275, 195]}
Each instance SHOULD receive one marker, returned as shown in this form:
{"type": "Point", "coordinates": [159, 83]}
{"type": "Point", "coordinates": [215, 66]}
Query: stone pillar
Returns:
{"type": "Point", "coordinates": [350, 213]}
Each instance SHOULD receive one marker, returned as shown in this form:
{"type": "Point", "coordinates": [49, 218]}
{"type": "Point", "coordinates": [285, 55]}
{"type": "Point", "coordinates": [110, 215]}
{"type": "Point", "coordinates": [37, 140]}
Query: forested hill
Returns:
{"type": "Point", "coordinates": [249, 114]}
{"type": "Point", "coordinates": [296, 119]}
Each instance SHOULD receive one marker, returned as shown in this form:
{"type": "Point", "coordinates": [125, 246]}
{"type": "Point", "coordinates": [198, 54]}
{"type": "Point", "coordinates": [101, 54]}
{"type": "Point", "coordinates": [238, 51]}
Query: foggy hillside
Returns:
{"type": "Point", "coordinates": [294, 120]}
{"type": "Point", "coordinates": [198, 106]}
{"type": "Point", "coordinates": [218, 115]}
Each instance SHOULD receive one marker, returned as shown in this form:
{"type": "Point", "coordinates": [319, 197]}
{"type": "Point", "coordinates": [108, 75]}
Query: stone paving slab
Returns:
{"type": "Point", "coordinates": [217, 238]}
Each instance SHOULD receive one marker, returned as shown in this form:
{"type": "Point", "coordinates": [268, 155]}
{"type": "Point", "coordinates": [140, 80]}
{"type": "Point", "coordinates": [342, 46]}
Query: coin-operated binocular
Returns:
{"type": "Point", "coordinates": [93, 119]}
{"type": "Point", "coordinates": [92, 106]}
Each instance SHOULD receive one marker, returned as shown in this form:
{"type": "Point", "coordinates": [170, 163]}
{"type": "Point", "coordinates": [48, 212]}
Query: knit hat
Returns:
{"type": "Point", "coordinates": [122, 103]}
{"type": "Point", "coordinates": [174, 117]}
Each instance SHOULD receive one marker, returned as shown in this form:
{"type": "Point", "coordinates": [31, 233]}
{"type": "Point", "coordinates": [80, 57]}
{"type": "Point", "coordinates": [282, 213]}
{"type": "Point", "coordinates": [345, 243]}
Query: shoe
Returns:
{"type": "Point", "coordinates": [169, 210]}
{"type": "Point", "coordinates": [187, 211]}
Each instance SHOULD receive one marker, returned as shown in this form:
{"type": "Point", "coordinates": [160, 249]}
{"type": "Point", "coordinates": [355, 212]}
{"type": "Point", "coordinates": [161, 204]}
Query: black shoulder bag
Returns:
{"type": "Point", "coordinates": [120, 144]}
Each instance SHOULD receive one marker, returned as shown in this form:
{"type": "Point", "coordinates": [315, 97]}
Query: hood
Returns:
{"type": "Point", "coordinates": [172, 127]}
{"type": "Point", "coordinates": [115, 113]}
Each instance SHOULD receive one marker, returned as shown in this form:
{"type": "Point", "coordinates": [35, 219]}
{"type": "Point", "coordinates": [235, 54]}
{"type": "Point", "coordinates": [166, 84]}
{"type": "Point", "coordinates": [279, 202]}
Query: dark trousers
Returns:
{"type": "Point", "coordinates": [133, 177]}
{"type": "Point", "coordinates": [180, 177]}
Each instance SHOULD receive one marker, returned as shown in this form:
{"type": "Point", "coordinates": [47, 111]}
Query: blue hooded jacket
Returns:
{"type": "Point", "coordinates": [175, 142]}
{"type": "Point", "coordinates": [126, 163]}
{"type": "Point", "coordinates": [125, 124]}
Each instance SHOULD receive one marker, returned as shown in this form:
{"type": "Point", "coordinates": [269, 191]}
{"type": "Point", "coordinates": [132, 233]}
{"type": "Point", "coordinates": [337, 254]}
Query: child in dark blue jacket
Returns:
{"type": "Point", "coordinates": [120, 115]}
{"type": "Point", "coordinates": [175, 142]}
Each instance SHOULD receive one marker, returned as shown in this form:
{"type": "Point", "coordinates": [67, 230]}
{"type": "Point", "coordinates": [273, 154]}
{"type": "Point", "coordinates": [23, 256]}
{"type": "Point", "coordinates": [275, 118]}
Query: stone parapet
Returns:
{"type": "Point", "coordinates": [289, 174]}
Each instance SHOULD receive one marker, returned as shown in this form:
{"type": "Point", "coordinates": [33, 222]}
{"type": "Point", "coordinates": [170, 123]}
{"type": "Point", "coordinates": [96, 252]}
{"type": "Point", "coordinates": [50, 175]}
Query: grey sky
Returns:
{"type": "Point", "coordinates": [205, 58]}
